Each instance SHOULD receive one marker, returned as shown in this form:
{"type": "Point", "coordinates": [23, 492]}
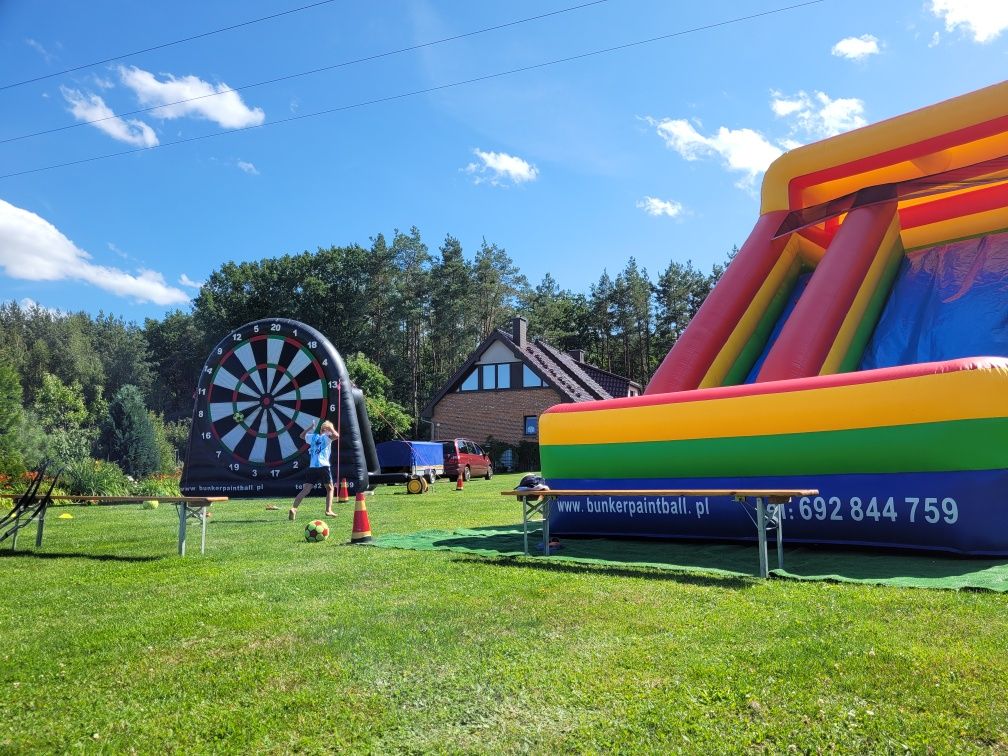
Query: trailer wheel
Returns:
{"type": "Point", "coordinates": [414, 485]}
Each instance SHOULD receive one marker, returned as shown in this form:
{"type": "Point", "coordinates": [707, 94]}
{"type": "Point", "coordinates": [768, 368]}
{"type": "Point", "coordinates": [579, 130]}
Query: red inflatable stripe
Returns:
{"type": "Point", "coordinates": [687, 363]}
{"type": "Point", "coordinates": [900, 372]}
{"type": "Point", "coordinates": [806, 338]}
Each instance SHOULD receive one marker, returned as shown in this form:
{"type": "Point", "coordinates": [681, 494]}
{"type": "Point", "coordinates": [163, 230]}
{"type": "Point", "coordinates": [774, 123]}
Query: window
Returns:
{"type": "Point", "coordinates": [531, 425]}
{"type": "Point", "coordinates": [530, 379]}
{"type": "Point", "coordinates": [471, 382]}
{"type": "Point", "coordinates": [489, 377]}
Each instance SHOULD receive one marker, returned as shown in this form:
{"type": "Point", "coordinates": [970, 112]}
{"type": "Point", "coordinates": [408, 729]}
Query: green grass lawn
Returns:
{"type": "Point", "coordinates": [110, 642]}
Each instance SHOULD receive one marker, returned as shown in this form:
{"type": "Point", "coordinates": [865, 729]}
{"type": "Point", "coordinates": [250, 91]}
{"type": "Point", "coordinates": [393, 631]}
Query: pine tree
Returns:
{"type": "Point", "coordinates": [127, 436]}
{"type": "Point", "coordinates": [11, 417]}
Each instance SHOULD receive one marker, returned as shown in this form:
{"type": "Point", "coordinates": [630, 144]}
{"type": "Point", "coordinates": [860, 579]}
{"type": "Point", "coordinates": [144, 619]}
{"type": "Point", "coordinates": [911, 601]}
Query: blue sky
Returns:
{"type": "Point", "coordinates": [654, 152]}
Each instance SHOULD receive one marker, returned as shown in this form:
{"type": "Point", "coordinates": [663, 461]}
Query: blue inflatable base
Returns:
{"type": "Point", "coordinates": [958, 512]}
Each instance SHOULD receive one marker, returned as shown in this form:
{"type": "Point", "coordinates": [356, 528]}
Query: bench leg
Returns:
{"type": "Point", "coordinates": [780, 536]}
{"type": "Point", "coordinates": [41, 527]}
{"type": "Point", "coordinates": [545, 516]}
{"type": "Point", "coordinates": [183, 516]}
{"type": "Point", "coordinates": [203, 515]}
{"type": "Point", "coordinates": [761, 523]}
{"type": "Point", "coordinates": [525, 516]}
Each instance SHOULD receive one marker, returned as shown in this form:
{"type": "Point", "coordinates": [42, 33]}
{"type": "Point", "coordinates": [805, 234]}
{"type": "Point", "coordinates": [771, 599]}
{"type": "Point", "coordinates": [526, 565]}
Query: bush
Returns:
{"type": "Point", "coordinates": [177, 434]}
{"type": "Point", "coordinates": [32, 440]}
{"type": "Point", "coordinates": [157, 485]}
{"type": "Point", "coordinates": [166, 451]}
{"type": "Point", "coordinates": [95, 477]}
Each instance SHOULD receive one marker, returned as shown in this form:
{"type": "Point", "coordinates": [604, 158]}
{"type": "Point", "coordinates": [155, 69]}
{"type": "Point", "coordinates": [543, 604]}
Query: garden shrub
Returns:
{"type": "Point", "coordinates": [95, 477]}
{"type": "Point", "coordinates": [157, 485]}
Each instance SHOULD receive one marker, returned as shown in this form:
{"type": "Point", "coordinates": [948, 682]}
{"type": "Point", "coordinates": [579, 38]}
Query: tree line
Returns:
{"type": "Point", "coordinates": [406, 316]}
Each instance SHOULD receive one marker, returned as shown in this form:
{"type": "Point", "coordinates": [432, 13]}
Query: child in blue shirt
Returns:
{"type": "Point", "coordinates": [319, 445]}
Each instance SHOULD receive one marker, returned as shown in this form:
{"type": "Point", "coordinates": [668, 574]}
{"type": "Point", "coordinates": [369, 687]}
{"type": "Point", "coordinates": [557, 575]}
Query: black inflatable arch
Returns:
{"type": "Point", "coordinates": [260, 387]}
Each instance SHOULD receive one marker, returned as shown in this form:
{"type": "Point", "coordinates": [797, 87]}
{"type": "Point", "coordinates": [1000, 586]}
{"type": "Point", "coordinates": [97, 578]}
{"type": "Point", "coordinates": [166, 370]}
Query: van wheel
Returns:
{"type": "Point", "coordinates": [489, 472]}
{"type": "Point", "coordinates": [466, 474]}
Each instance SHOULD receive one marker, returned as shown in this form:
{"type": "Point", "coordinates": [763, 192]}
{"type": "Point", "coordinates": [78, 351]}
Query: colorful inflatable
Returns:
{"type": "Point", "coordinates": [857, 344]}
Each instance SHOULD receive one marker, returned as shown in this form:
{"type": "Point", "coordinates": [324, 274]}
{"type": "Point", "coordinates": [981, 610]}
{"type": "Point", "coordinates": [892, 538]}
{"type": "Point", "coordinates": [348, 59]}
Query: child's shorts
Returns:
{"type": "Point", "coordinates": [321, 475]}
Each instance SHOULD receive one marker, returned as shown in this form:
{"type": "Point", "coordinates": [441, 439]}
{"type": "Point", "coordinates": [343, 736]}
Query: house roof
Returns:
{"type": "Point", "coordinates": [571, 379]}
{"type": "Point", "coordinates": [617, 385]}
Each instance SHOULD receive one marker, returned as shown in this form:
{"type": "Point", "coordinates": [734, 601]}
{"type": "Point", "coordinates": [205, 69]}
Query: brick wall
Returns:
{"type": "Point", "coordinates": [501, 414]}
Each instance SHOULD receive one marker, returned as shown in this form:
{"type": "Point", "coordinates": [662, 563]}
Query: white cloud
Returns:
{"type": "Point", "coordinates": [499, 168]}
{"type": "Point", "coordinates": [30, 304]}
{"type": "Point", "coordinates": [91, 107]}
{"type": "Point", "coordinates": [985, 19]}
{"type": "Point", "coordinates": [248, 167]}
{"type": "Point", "coordinates": [37, 46]}
{"type": "Point", "coordinates": [818, 116]}
{"type": "Point", "coordinates": [32, 249]}
{"type": "Point", "coordinates": [742, 150]}
{"type": "Point", "coordinates": [226, 109]}
{"type": "Point", "coordinates": [186, 281]}
{"type": "Point", "coordinates": [935, 40]}
{"type": "Point", "coordinates": [749, 152]}
{"type": "Point", "coordinates": [102, 83]}
{"type": "Point", "coordinates": [658, 207]}
{"type": "Point", "coordinates": [856, 48]}
{"type": "Point", "coordinates": [118, 251]}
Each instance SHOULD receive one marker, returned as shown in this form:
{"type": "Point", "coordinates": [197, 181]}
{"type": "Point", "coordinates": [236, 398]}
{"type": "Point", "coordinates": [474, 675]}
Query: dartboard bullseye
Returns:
{"type": "Point", "coordinates": [263, 385]}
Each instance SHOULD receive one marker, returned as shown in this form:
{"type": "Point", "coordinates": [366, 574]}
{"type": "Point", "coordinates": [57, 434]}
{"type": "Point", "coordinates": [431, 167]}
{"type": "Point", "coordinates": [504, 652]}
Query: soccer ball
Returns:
{"type": "Point", "coordinates": [316, 531]}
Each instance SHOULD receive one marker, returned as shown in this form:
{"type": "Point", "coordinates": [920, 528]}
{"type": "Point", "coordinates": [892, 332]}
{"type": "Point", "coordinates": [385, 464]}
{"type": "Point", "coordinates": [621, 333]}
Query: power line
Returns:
{"type": "Point", "coordinates": [168, 44]}
{"type": "Point", "coordinates": [344, 64]}
{"type": "Point", "coordinates": [427, 90]}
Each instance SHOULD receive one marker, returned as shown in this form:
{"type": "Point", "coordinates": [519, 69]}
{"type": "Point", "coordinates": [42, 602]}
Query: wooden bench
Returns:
{"type": "Point", "coordinates": [34, 507]}
{"type": "Point", "coordinates": [769, 510]}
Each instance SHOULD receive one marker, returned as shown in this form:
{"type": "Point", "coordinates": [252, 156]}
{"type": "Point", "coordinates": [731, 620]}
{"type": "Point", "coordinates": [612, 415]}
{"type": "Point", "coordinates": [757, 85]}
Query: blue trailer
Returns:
{"type": "Point", "coordinates": [417, 463]}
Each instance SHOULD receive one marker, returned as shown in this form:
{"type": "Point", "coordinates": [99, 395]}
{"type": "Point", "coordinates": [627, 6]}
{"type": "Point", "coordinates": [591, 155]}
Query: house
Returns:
{"type": "Point", "coordinates": [508, 381]}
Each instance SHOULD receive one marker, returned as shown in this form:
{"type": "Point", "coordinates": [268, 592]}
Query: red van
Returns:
{"type": "Point", "coordinates": [462, 454]}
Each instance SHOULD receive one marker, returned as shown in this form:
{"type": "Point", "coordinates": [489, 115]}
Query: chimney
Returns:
{"type": "Point", "coordinates": [519, 332]}
{"type": "Point", "coordinates": [577, 354]}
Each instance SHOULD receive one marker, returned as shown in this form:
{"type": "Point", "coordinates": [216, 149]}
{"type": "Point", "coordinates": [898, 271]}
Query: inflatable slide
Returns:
{"type": "Point", "coordinates": [857, 344]}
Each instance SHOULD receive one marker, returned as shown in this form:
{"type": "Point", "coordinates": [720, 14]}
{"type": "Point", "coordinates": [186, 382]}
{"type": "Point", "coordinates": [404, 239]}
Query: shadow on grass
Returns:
{"type": "Point", "coordinates": [73, 555]}
{"type": "Point", "coordinates": [504, 543]}
{"type": "Point", "coordinates": [728, 559]}
{"type": "Point", "coordinates": [673, 573]}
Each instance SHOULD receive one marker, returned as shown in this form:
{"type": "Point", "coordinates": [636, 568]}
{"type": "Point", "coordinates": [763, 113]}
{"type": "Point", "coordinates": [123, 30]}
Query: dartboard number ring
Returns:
{"type": "Point", "coordinates": [261, 387]}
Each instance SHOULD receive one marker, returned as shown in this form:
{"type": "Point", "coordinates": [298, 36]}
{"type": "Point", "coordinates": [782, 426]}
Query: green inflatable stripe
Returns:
{"type": "Point", "coordinates": [754, 346]}
{"type": "Point", "coordinates": [867, 325]}
{"type": "Point", "coordinates": [925, 447]}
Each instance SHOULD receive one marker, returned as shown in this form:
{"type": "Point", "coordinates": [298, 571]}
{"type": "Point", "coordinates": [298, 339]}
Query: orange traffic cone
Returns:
{"type": "Point", "coordinates": [344, 493]}
{"type": "Point", "coordinates": [458, 483]}
{"type": "Point", "coordinates": [361, 527]}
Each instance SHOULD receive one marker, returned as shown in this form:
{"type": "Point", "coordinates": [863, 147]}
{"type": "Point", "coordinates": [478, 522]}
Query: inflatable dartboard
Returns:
{"type": "Point", "coordinates": [262, 386]}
